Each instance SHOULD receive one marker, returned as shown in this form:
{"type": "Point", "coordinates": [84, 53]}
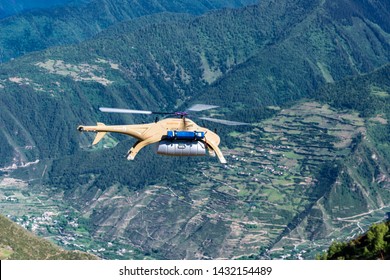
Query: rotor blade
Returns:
{"type": "Point", "coordinates": [201, 107]}
{"type": "Point", "coordinates": [223, 121]}
{"type": "Point", "coordinates": [130, 111]}
{"type": "Point", "coordinates": [124, 111]}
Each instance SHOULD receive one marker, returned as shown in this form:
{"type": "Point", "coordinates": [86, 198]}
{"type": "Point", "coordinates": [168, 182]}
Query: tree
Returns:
{"type": "Point", "coordinates": [376, 240]}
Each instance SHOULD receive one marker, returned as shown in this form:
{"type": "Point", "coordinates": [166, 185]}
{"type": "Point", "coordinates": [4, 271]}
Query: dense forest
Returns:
{"type": "Point", "coordinates": [82, 19]}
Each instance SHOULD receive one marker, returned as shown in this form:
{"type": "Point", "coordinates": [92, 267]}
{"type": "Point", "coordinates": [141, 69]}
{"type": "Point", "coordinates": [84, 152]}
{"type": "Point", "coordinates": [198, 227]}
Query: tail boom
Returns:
{"type": "Point", "coordinates": [136, 131]}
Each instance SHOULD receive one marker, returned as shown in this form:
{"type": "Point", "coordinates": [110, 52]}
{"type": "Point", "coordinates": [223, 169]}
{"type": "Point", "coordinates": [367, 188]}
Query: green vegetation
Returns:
{"type": "Point", "coordinates": [9, 7]}
{"type": "Point", "coordinates": [38, 30]}
{"type": "Point", "coordinates": [373, 245]}
{"type": "Point", "coordinates": [365, 94]}
{"type": "Point", "coordinates": [18, 244]}
{"type": "Point", "coordinates": [262, 185]}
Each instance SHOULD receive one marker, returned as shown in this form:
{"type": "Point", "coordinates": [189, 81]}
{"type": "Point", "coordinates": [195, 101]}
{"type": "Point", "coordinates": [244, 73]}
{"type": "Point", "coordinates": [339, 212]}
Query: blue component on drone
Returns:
{"type": "Point", "coordinates": [184, 135]}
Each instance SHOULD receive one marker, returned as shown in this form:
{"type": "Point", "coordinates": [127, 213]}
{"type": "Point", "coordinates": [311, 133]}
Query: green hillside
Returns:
{"type": "Point", "coordinates": [16, 243]}
{"type": "Point", "coordinates": [355, 191]}
{"type": "Point", "coordinates": [40, 29]}
{"type": "Point", "coordinates": [11, 7]}
{"type": "Point", "coordinates": [312, 78]}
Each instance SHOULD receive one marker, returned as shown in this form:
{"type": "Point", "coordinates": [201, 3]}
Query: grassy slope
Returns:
{"type": "Point", "coordinates": [17, 243]}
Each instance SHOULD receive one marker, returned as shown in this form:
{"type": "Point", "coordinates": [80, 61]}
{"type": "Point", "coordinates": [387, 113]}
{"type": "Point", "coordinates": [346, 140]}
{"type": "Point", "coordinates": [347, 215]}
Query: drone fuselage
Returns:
{"type": "Point", "coordinates": [204, 141]}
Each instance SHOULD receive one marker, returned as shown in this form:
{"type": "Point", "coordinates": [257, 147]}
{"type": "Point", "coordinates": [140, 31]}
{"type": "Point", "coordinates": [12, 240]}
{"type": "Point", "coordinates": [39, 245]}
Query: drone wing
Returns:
{"type": "Point", "coordinates": [223, 121]}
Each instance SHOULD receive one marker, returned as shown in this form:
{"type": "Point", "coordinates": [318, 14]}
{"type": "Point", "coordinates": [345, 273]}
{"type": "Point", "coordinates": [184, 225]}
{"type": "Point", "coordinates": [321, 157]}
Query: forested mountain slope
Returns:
{"type": "Point", "coordinates": [37, 30]}
{"type": "Point", "coordinates": [328, 44]}
{"type": "Point", "coordinates": [11, 7]}
{"type": "Point", "coordinates": [354, 191]}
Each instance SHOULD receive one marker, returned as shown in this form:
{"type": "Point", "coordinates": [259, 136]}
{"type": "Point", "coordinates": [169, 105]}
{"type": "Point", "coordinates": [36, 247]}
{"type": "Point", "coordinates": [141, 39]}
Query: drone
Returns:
{"type": "Point", "coordinates": [175, 136]}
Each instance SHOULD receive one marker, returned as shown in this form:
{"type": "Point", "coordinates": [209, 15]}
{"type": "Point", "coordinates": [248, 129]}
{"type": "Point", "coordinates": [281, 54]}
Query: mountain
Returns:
{"type": "Point", "coordinates": [16, 243]}
{"type": "Point", "coordinates": [11, 7]}
{"type": "Point", "coordinates": [37, 30]}
{"type": "Point", "coordinates": [311, 77]}
{"type": "Point", "coordinates": [296, 181]}
{"type": "Point", "coordinates": [323, 46]}
{"type": "Point", "coordinates": [182, 60]}
{"type": "Point", "coordinates": [355, 190]}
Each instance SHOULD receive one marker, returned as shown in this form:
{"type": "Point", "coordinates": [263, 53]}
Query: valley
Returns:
{"type": "Point", "coordinates": [260, 203]}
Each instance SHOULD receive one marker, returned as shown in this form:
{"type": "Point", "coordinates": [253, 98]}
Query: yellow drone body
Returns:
{"type": "Point", "coordinates": [172, 136]}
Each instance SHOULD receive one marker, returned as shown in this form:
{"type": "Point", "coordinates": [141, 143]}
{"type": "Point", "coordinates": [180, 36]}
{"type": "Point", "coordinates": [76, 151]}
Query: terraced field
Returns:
{"type": "Point", "coordinates": [243, 208]}
{"type": "Point", "coordinates": [278, 197]}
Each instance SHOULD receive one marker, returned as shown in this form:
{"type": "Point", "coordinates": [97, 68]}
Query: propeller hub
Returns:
{"type": "Point", "coordinates": [181, 114]}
